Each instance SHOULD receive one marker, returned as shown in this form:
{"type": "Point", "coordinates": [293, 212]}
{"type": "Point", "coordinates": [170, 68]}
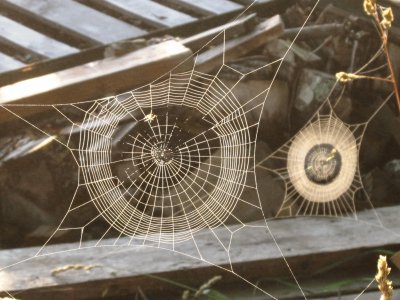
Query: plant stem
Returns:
{"type": "Point", "coordinates": [384, 38]}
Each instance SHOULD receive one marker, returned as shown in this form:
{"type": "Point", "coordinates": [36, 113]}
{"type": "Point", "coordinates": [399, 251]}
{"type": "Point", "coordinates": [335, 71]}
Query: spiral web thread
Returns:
{"type": "Point", "coordinates": [168, 172]}
{"type": "Point", "coordinates": [319, 166]}
{"type": "Point", "coordinates": [182, 181]}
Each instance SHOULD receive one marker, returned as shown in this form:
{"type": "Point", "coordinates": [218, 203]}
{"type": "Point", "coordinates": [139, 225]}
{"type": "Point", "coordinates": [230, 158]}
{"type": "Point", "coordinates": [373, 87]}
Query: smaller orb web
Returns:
{"type": "Point", "coordinates": [319, 167]}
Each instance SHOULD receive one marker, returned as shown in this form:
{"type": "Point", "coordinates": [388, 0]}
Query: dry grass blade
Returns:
{"type": "Point", "coordinates": [384, 284]}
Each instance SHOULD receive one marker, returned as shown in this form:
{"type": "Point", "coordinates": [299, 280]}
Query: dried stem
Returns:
{"type": "Point", "coordinates": [384, 284]}
{"type": "Point", "coordinates": [383, 19]}
{"type": "Point", "coordinates": [383, 26]}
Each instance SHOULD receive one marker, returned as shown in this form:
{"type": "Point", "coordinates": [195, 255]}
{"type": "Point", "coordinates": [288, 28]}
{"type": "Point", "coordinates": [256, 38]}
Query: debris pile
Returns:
{"type": "Point", "coordinates": [34, 169]}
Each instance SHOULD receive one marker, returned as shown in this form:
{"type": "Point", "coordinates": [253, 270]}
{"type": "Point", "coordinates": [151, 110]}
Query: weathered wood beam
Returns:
{"type": "Point", "coordinates": [78, 21]}
{"type": "Point", "coordinates": [267, 8]}
{"type": "Point", "coordinates": [308, 244]}
{"type": "Point", "coordinates": [208, 7]}
{"type": "Point", "coordinates": [263, 33]}
{"type": "Point", "coordinates": [314, 31]}
{"type": "Point", "coordinates": [9, 63]}
{"type": "Point", "coordinates": [30, 39]}
{"type": "Point", "coordinates": [147, 11]}
{"type": "Point", "coordinates": [233, 29]}
{"type": "Point", "coordinates": [100, 78]}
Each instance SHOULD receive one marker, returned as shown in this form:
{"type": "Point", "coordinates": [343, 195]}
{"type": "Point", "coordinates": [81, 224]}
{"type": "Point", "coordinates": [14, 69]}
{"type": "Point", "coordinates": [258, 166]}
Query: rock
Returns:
{"type": "Point", "coordinates": [295, 15]}
{"type": "Point", "coordinates": [393, 167]}
{"type": "Point", "coordinates": [246, 65]}
{"type": "Point", "coordinates": [297, 54]}
{"type": "Point", "coordinates": [276, 49]}
{"type": "Point", "coordinates": [313, 88]}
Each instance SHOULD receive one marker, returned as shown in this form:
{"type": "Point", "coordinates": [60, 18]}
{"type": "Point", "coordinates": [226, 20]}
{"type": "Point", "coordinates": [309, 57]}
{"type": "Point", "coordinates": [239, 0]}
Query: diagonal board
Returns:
{"type": "Point", "coordinates": [99, 78]}
{"type": "Point", "coordinates": [264, 32]}
{"type": "Point", "coordinates": [76, 19]}
{"type": "Point", "coordinates": [33, 40]}
{"type": "Point", "coordinates": [149, 11]}
{"type": "Point", "coordinates": [209, 7]}
{"type": "Point", "coordinates": [8, 63]}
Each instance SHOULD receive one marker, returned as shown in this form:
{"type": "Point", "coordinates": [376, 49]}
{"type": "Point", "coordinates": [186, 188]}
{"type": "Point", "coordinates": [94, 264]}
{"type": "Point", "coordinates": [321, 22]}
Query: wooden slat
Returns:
{"type": "Point", "coordinates": [97, 79]}
{"type": "Point", "coordinates": [254, 2]}
{"type": "Point", "coordinates": [32, 40]}
{"type": "Point", "coordinates": [8, 63]}
{"type": "Point", "coordinates": [233, 29]}
{"type": "Point", "coordinates": [96, 53]}
{"type": "Point", "coordinates": [149, 11]}
{"type": "Point", "coordinates": [307, 243]}
{"type": "Point", "coordinates": [209, 7]}
{"type": "Point", "coordinates": [266, 31]}
{"type": "Point", "coordinates": [76, 18]}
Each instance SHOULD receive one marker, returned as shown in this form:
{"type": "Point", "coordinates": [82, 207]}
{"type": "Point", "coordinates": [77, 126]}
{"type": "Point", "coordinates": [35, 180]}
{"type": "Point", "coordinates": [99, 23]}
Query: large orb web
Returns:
{"type": "Point", "coordinates": [187, 157]}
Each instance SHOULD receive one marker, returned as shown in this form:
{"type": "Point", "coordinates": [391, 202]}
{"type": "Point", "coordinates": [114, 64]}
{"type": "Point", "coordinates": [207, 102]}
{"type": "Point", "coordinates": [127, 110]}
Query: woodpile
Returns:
{"type": "Point", "coordinates": [34, 168]}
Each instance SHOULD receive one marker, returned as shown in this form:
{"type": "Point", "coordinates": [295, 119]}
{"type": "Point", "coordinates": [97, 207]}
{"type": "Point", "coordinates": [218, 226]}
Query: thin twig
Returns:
{"type": "Point", "coordinates": [384, 37]}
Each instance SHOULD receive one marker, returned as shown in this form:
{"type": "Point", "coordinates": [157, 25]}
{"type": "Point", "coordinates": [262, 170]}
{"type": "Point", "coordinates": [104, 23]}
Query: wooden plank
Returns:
{"type": "Point", "coordinates": [308, 244]}
{"type": "Point", "coordinates": [8, 63]}
{"type": "Point", "coordinates": [97, 79]}
{"type": "Point", "coordinates": [33, 40]}
{"type": "Point", "coordinates": [254, 2]}
{"type": "Point", "coordinates": [26, 56]}
{"type": "Point", "coordinates": [320, 31]}
{"type": "Point", "coordinates": [232, 29]}
{"type": "Point", "coordinates": [77, 19]}
{"type": "Point", "coordinates": [263, 33]}
{"type": "Point", "coordinates": [209, 7]}
{"type": "Point", "coordinates": [149, 11]}
{"type": "Point", "coordinates": [96, 53]}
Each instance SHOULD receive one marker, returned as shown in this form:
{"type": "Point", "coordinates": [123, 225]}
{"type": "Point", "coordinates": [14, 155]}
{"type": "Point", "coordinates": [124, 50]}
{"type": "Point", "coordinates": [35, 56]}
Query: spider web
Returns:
{"type": "Point", "coordinates": [320, 167]}
{"type": "Point", "coordinates": [188, 151]}
{"type": "Point", "coordinates": [320, 164]}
